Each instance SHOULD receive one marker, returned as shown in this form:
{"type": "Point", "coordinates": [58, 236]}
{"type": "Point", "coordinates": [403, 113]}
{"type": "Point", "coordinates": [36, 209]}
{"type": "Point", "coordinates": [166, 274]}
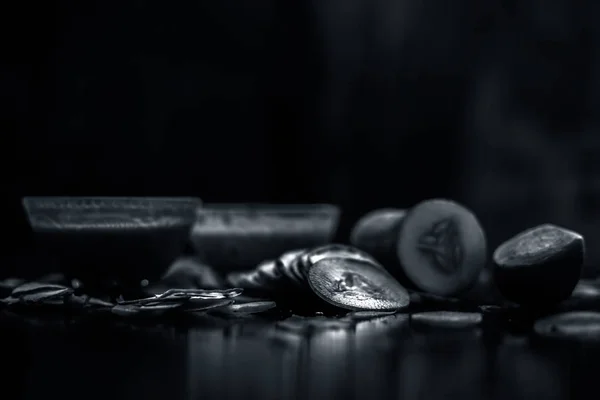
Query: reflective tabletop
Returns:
{"type": "Point", "coordinates": [260, 358]}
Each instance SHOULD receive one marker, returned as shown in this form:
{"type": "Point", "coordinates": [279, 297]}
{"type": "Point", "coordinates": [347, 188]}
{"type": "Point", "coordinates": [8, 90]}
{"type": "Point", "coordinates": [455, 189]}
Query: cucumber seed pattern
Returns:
{"type": "Point", "coordinates": [443, 245]}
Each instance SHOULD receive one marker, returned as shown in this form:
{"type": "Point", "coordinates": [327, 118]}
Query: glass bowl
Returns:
{"type": "Point", "coordinates": [121, 240]}
{"type": "Point", "coordinates": [239, 236]}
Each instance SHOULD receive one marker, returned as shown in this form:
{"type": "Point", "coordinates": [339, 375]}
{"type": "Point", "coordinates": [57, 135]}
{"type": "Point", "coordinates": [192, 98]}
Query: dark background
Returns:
{"type": "Point", "coordinates": [362, 103]}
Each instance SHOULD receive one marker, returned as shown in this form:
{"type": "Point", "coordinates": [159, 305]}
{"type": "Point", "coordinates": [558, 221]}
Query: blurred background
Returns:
{"type": "Point", "coordinates": [362, 103]}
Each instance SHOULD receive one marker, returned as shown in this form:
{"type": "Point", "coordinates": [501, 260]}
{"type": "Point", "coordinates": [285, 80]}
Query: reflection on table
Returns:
{"type": "Point", "coordinates": [253, 358]}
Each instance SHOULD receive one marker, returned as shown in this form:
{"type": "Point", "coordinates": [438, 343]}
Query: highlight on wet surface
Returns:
{"type": "Point", "coordinates": [446, 319]}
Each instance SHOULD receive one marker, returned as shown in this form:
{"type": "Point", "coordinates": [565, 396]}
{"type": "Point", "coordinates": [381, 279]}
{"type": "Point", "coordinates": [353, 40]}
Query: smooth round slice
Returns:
{"type": "Point", "coordinates": [356, 285]}
{"type": "Point", "coordinates": [577, 325]}
{"type": "Point", "coordinates": [446, 319]}
{"type": "Point", "coordinates": [377, 234]}
{"type": "Point", "coordinates": [540, 266]}
{"type": "Point", "coordinates": [441, 247]}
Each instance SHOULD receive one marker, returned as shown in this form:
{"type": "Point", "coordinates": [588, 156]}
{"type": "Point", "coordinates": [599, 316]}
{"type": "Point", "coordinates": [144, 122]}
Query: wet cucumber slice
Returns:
{"type": "Point", "coordinates": [356, 285]}
{"type": "Point", "coordinates": [442, 247]}
{"type": "Point", "coordinates": [578, 325]}
{"type": "Point", "coordinates": [540, 266]}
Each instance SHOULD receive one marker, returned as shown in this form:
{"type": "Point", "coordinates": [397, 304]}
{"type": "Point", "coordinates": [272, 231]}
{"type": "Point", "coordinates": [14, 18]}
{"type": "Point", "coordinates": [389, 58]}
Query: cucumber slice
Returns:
{"type": "Point", "coordinates": [441, 247]}
{"type": "Point", "coordinates": [286, 264]}
{"type": "Point", "coordinates": [356, 285]}
{"type": "Point", "coordinates": [578, 325]}
{"type": "Point", "coordinates": [377, 234]}
{"type": "Point", "coordinates": [540, 266]}
{"type": "Point", "coordinates": [313, 256]}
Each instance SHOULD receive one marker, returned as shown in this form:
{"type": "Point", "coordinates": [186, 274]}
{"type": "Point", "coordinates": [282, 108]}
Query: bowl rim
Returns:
{"type": "Point", "coordinates": [30, 202]}
{"type": "Point", "coordinates": [184, 207]}
{"type": "Point", "coordinates": [272, 208]}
